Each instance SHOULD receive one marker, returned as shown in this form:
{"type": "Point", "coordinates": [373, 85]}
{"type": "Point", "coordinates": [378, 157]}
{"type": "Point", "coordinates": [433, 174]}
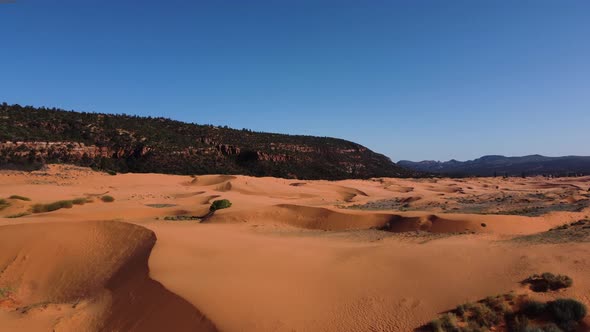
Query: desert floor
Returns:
{"type": "Point", "coordinates": [288, 255]}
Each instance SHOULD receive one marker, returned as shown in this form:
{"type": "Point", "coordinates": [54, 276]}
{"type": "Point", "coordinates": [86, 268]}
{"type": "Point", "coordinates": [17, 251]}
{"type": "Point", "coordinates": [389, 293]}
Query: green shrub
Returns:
{"type": "Point", "coordinates": [449, 321]}
{"type": "Point", "coordinates": [79, 201]}
{"type": "Point", "coordinates": [461, 310]}
{"type": "Point", "coordinates": [534, 308]}
{"type": "Point", "coordinates": [110, 172]}
{"type": "Point", "coordinates": [566, 310]}
{"type": "Point", "coordinates": [485, 316]}
{"type": "Point", "coordinates": [510, 296]}
{"type": "Point", "coordinates": [22, 198]}
{"type": "Point", "coordinates": [569, 326]}
{"type": "Point", "coordinates": [40, 208]}
{"type": "Point", "coordinates": [436, 325]}
{"type": "Point", "coordinates": [496, 303]}
{"type": "Point", "coordinates": [551, 328]}
{"type": "Point", "coordinates": [219, 204]}
{"type": "Point", "coordinates": [107, 199]}
{"type": "Point", "coordinates": [519, 324]}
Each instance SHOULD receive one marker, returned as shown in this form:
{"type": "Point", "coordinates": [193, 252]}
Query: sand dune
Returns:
{"type": "Point", "coordinates": [97, 268]}
{"type": "Point", "coordinates": [318, 218]}
{"type": "Point", "coordinates": [212, 180]}
{"type": "Point", "coordinates": [289, 255]}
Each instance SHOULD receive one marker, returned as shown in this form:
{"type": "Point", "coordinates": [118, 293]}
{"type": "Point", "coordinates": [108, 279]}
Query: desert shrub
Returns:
{"type": "Point", "coordinates": [22, 198]}
{"type": "Point", "coordinates": [436, 325]}
{"type": "Point", "coordinates": [510, 296]}
{"type": "Point", "coordinates": [474, 327]}
{"type": "Point", "coordinates": [40, 208]}
{"type": "Point", "coordinates": [548, 281]}
{"type": "Point", "coordinates": [484, 315]}
{"type": "Point", "coordinates": [551, 328]}
{"type": "Point", "coordinates": [449, 322]}
{"type": "Point", "coordinates": [519, 324]}
{"type": "Point", "coordinates": [534, 308]}
{"type": "Point", "coordinates": [79, 201]}
{"type": "Point", "coordinates": [566, 310]}
{"type": "Point", "coordinates": [569, 326]}
{"type": "Point", "coordinates": [497, 303]}
{"type": "Point", "coordinates": [461, 310]}
{"type": "Point", "coordinates": [107, 199]}
{"type": "Point", "coordinates": [219, 204]}
{"type": "Point", "coordinates": [110, 172]}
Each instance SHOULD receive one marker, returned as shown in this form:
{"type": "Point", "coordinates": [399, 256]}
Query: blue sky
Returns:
{"type": "Point", "coordinates": [413, 79]}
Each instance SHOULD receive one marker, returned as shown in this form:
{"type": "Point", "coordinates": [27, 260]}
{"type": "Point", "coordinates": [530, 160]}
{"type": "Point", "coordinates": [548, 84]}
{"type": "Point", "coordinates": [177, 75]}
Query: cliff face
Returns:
{"type": "Point", "coordinates": [30, 137]}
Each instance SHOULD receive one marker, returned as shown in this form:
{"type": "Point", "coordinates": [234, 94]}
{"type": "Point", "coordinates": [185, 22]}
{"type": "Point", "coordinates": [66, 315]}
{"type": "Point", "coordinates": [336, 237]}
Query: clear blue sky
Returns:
{"type": "Point", "coordinates": [413, 79]}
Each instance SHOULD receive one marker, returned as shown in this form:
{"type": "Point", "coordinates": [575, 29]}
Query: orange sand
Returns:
{"type": "Point", "coordinates": [287, 256]}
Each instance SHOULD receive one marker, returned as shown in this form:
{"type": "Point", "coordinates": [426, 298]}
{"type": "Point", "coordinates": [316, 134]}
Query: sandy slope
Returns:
{"type": "Point", "coordinates": [287, 256]}
{"type": "Point", "coordinates": [98, 268]}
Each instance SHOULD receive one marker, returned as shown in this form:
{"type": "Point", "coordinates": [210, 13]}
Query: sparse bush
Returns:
{"type": "Point", "coordinates": [107, 199]}
{"type": "Point", "coordinates": [219, 204]}
{"type": "Point", "coordinates": [40, 208]}
{"type": "Point", "coordinates": [22, 198]}
{"type": "Point", "coordinates": [484, 316]}
{"type": "Point", "coordinates": [548, 281]}
{"type": "Point", "coordinates": [496, 303]}
{"type": "Point", "coordinates": [566, 310]}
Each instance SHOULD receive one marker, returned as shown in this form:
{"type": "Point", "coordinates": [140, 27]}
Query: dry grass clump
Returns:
{"type": "Point", "coordinates": [63, 204]}
{"type": "Point", "coordinates": [41, 208]}
{"type": "Point", "coordinates": [471, 317]}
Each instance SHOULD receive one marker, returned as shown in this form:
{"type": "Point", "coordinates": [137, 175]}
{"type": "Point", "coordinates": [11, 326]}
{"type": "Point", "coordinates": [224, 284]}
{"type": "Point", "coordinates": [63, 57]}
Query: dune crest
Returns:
{"type": "Point", "coordinates": [99, 268]}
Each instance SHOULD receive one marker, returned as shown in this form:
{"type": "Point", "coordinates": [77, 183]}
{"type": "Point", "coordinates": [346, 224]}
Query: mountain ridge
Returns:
{"type": "Point", "coordinates": [490, 165]}
{"type": "Point", "coordinates": [33, 136]}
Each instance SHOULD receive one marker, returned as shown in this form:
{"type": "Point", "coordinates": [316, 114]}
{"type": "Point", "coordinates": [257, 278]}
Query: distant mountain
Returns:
{"type": "Point", "coordinates": [31, 137]}
{"type": "Point", "coordinates": [500, 165]}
